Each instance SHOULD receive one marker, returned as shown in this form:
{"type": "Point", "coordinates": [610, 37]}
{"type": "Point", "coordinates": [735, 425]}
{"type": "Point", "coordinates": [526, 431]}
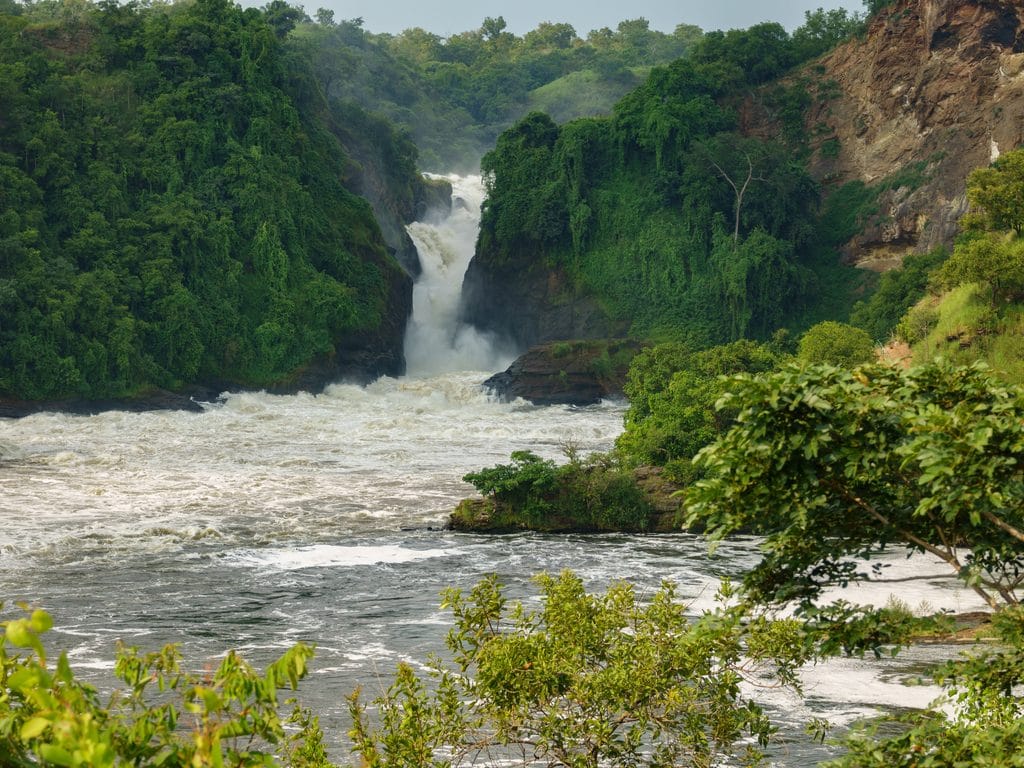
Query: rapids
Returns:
{"type": "Point", "coordinates": [270, 519]}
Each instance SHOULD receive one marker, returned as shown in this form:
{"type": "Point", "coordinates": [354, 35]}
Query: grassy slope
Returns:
{"type": "Point", "coordinates": [967, 328]}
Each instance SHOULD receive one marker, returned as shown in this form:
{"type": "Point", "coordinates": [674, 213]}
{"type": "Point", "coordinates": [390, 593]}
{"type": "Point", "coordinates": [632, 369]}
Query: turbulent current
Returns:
{"type": "Point", "coordinates": [270, 519]}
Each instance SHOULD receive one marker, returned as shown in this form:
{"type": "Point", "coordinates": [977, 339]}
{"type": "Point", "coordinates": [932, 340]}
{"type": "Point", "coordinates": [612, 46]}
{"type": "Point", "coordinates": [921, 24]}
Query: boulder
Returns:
{"type": "Point", "coordinates": [567, 372]}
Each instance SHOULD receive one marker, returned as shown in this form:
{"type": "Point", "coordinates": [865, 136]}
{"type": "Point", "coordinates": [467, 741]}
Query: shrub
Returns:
{"type": "Point", "coordinates": [162, 716]}
{"type": "Point", "coordinates": [837, 344]}
{"type": "Point", "coordinates": [584, 681]}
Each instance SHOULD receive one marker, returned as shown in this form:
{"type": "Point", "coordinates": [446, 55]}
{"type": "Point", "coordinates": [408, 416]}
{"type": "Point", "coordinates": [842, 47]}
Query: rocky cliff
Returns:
{"type": "Point", "coordinates": [525, 303]}
{"type": "Point", "coordinates": [934, 85]}
{"type": "Point", "coordinates": [567, 373]}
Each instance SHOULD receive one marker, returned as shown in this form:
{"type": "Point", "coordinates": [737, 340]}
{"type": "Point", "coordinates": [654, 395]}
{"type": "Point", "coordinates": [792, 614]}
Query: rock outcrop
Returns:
{"type": "Point", "coordinates": [936, 87]}
{"type": "Point", "coordinates": [567, 372]}
{"type": "Point", "coordinates": [156, 400]}
{"type": "Point", "coordinates": [525, 304]}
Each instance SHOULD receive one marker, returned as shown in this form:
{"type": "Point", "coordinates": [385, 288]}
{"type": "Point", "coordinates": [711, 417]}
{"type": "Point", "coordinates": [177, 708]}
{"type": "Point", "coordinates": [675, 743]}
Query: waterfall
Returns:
{"type": "Point", "coordinates": [435, 341]}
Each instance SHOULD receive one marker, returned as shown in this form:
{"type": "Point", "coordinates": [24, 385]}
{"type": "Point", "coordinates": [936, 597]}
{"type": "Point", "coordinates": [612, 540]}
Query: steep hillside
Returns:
{"type": "Point", "coordinates": [662, 220]}
{"type": "Point", "coordinates": [721, 198]}
{"type": "Point", "coordinates": [177, 207]}
{"type": "Point", "coordinates": [935, 89]}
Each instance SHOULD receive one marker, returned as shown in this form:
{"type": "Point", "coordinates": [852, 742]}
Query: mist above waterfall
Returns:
{"type": "Point", "coordinates": [435, 341]}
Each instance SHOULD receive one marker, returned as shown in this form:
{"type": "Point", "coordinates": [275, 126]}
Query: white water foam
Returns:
{"type": "Point", "coordinates": [333, 556]}
{"type": "Point", "coordinates": [435, 341]}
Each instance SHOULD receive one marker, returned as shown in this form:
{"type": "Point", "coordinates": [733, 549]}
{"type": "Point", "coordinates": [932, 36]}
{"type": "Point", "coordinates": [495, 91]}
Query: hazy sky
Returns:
{"type": "Point", "coordinates": [450, 16]}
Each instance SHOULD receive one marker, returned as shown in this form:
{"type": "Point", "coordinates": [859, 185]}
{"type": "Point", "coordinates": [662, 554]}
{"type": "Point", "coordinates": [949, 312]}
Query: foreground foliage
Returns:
{"type": "Point", "coordinates": [583, 681]}
{"type": "Point", "coordinates": [829, 464]}
{"type": "Point", "coordinates": [163, 715]}
{"type": "Point", "coordinates": [580, 680]}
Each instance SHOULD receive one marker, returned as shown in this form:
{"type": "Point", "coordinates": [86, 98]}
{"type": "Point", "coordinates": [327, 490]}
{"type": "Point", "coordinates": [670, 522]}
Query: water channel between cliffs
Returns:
{"type": "Point", "coordinates": [272, 519]}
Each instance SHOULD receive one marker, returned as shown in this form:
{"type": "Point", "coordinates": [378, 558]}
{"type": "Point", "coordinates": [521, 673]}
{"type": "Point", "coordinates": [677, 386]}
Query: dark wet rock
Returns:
{"type": "Point", "coordinates": [155, 400]}
{"type": "Point", "coordinates": [523, 303]}
{"type": "Point", "coordinates": [567, 372]}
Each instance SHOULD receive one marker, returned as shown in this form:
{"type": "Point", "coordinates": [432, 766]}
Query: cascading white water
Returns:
{"type": "Point", "coordinates": [435, 341]}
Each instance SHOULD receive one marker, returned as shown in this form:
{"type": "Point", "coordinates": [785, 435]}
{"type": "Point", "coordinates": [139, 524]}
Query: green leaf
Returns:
{"type": "Point", "coordinates": [19, 633]}
{"type": "Point", "coordinates": [34, 727]}
{"type": "Point", "coordinates": [51, 753]}
{"type": "Point", "coordinates": [41, 621]}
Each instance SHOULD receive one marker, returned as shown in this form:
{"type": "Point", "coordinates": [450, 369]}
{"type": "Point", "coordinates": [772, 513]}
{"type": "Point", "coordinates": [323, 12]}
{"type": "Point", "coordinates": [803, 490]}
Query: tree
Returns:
{"type": "Point", "coordinates": [672, 393]}
{"type": "Point", "coordinates": [999, 192]}
{"type": "Point", "coordinates": [493, 27]}
{"type": "Point", "coordinates": [874, 6]}
{"type": "Point", "coordinates": [837, 344]}
{"type": "Point", "coordinates": [583, 681]}
{"type": "Point", "coordinates": [987, 728]}
{"type": "Point", "coordinates": [829, 464]}
{"type": "Point", "coordinates": [990, 257]}
{"type": "Point", "coordinates": [823, 30]}
{"type": "Point", "coordinates": [548, 36]}
{"type": "Point", "coordinates": [282, 17]}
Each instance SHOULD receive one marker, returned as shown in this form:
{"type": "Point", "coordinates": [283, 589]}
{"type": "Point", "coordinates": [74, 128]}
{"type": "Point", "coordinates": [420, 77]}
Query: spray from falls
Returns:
{"type": "Point", "coordinates": [435, 341]}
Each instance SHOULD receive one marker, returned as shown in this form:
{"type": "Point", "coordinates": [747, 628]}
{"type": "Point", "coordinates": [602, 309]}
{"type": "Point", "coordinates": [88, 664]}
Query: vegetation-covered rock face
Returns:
{"type": "Point", "coordinates": [715, 201]}
{"type": "Point", "coordinates": [662, 219]}
{"type": "Point", "coordinates": [571, 373]}
{"type": "Point", "coordinates": [176, 206]}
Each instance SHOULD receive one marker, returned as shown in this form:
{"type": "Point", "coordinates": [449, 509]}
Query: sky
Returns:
{"type": "Point", "coordinates": [451, 16]}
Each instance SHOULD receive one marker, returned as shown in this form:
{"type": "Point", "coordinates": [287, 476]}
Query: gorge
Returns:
{"type": "Point", "coordinates": [197, 210]}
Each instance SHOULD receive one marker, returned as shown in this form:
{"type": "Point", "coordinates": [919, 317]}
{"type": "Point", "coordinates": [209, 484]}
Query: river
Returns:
{"type": "Point", "coordinates": [270, 519]}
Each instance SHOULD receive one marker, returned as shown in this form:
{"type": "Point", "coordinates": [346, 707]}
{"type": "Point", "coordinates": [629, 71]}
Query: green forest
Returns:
{"type": "Point", "coordinates": [678, 224]}
{"type": "Point", "coordinates": [454, 95]}
{"type": "Point", "coordinates": [175, 202]}
{"type": "Point", "coordinates": [180, 198]}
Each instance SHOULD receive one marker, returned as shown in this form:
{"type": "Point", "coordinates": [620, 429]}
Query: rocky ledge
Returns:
{"type": "Point", "coordinates": [567, 372]}
{"type": "Point", "coordinates": [154, 400]}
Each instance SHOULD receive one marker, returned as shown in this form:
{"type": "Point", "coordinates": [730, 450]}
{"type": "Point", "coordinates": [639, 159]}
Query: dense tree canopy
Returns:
{"type": "Point", "coordinates": [667, 215]}
{"type": "Point", "coordinates": [672, 392]}
{"type": "Point", "coordinates": [837, 344]}
{"type": "Point", "coordinates": [455, 94]}
{"type": "Point", "coordinates": [173, 203]}
{"type": "Point", "coordinates": [829, 464]}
